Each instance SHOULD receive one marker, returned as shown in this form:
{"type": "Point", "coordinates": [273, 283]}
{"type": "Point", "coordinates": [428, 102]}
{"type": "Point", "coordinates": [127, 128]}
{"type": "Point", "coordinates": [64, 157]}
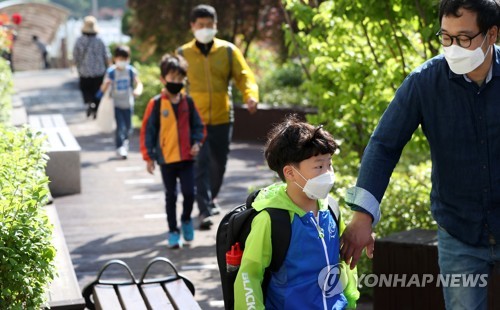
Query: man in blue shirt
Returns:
{"type": "Point", "coordinates": [455, 97]}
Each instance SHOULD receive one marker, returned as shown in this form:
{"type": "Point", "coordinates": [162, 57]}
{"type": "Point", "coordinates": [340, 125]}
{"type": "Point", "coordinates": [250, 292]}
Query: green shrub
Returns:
{"type": "Point", "coordinates": [283, 85]}
{"type": "Point", "coordinates": [5, 91]}
{"type": "Point", "coordinates": [280, 84]}
{"type": "Point", "coordinates": [150, 78]}
{"type": "Point", "coordinates": [26, 251]}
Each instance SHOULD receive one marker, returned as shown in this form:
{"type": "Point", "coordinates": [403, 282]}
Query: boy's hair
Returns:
{"type": "Point", "coordinates": [122, 51]}
{"type": "Point", "coordinates": [293, 141]}
{"type": "Point", "coordinates": [488, 11]}
{"type": "Point", "coordinates": [175, 63]}
{"type": "Point", "coordinates": [203, 10]}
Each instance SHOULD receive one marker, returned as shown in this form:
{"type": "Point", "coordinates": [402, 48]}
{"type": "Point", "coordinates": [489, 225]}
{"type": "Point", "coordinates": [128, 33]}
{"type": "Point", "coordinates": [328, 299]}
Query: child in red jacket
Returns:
{"type": "Point", "coordinates": [172, 133]}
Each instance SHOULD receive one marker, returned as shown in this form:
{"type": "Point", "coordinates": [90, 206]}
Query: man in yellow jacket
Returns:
{"type": "Point", "coordinates": [212, 64]}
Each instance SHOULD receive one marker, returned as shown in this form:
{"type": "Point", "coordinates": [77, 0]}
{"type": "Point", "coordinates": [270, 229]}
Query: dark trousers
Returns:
{"type": "Point", "coordinates": [211, 164]}
{"type": "Point", "coordinates": [89, 87]}
{"type": "Point", "coordinates": [123, 119]}
{"type": "Point", "coordinates": [45, 58]}
{"type": "Point", "coordinates": [184, 171]}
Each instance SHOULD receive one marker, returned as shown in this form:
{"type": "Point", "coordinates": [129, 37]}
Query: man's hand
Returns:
{"type": "Point", "coordinates": [252, 105]}
{"type": "Point", "coordinates": [150, 166]}
{"type": "Point", "coordinates": [357, 236]}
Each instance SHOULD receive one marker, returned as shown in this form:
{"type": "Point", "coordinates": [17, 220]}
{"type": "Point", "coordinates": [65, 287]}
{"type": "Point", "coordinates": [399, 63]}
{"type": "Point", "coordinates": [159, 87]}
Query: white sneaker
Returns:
{"type": "Point", "coordinates": [121, 152]}
{"type": "Point", "coordinates": [126, 144]}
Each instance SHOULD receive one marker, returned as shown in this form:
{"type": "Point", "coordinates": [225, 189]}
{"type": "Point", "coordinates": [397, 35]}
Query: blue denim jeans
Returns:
{"type": "Point", "coordinates": [170, 173]}
{"type": "Point", "coordinates": [123, 119]}
{"type": "Point", "coordinates": [456, 257]}
{"type": "Point", "coordinates": [211, 164]}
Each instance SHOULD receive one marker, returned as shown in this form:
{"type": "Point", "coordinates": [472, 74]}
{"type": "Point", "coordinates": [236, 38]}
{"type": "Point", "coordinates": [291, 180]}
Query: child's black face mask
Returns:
{"type": "Point", "coordinates": [174, 88]}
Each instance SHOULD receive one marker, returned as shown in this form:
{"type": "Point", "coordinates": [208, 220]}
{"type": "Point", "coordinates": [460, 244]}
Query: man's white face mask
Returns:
{"type": "Point", "coordinates": [462, 60]}
{"type": "Point", "coordinates": [205, 35]}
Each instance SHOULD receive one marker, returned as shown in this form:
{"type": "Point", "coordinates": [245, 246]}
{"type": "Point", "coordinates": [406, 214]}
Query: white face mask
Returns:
{"type": "Point", "coordinates": [462, 60]}
{"type": "Point", "coordinates": [205, 35]}
{"type": "Point", "coordinates": [318, 187]}
{"type": "Point", "coordinates": [121, 64]}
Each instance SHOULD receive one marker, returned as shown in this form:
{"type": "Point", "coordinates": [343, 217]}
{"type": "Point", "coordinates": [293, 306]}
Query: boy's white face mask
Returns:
{"type": "Point", "coordinates": [318, 187]}
{"type": "Point", "coordinates": [205, 35]}
{"type": "Point", "coordinates": [122, 64]}
{"type": "Point", "coordinates": [462, 60]}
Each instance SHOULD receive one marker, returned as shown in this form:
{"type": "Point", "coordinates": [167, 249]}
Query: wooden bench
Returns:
{"type": "Point", "coordinates": [63, 167]}
{"type": "Point", "coordinates": [63, 292]}
{"type": "Point", "coordinates": [415, 252]}
{"type": "Point", "coordinates": [172, 292]}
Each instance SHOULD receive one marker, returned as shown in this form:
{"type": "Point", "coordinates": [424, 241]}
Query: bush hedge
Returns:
{"type": "Point", "coordinates": [5, 91]}
{"type": "Point", "coordinates": [26, 251]}
{"type": "Point", "coordinates": [150, 77]}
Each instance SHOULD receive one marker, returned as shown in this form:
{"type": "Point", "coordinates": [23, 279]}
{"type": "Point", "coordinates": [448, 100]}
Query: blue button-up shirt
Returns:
{"type": "Point", "coordinates": [461, 121]}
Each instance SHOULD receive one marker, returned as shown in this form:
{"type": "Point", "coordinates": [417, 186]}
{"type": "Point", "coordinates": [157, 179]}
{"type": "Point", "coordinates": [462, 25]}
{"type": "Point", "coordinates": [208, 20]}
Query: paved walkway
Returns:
{"type": "Point", "coordinates": [120, 212]}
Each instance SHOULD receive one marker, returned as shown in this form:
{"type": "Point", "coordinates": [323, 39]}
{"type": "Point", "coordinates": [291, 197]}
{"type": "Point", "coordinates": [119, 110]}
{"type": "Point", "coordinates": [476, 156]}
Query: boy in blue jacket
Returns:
{"type": "Point", "coordinates": [310, 276]}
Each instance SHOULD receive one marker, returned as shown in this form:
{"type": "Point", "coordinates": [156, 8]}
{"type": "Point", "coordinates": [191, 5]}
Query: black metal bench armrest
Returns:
{"type": "Point", "coordinates": [144, 280]}
{"type": "Point", "coordinates": [88, 290]}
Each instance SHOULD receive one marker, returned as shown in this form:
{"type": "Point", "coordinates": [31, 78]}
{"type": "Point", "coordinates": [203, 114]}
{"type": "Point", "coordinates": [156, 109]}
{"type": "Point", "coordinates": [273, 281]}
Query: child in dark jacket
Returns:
{"type": "Point", "coordinates": [172, 133]}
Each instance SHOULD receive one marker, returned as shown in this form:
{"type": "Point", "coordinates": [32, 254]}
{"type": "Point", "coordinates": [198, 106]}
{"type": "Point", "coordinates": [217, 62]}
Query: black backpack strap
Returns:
{"type": "Point", "coordinates": [156, 111]}
{"type": "Point", "coordinates": [132, 77]}
{"type": "Point", "coordinates": [281, 231]}
{"type": "Point", "coordinates": [251, 198]}
{"type": "Point", "coordinates": [155, 116]}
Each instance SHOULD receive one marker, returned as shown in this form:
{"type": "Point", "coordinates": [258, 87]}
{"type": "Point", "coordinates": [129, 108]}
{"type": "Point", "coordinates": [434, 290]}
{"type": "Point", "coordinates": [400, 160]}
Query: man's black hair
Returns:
{"type": "Point", "coordinates": [203, 10]}
{"type": "Point", "coordinates": [488, 11]}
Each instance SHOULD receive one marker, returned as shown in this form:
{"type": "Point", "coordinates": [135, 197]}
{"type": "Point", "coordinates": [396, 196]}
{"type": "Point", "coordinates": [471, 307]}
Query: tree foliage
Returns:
{"type": "Point", "coordinates": [162, 26]}
{"type": "Point", "coordinates": [359, 53]}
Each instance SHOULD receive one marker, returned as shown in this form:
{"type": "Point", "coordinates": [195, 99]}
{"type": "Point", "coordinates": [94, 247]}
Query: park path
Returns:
{"type": "Point", "coordinates": [120, 211]}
